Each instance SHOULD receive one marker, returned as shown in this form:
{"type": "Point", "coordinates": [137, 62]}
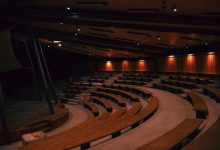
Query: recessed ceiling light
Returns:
{"type": "Point", "coordinates": [175, 9]}
{"type": "Point", "coordinates": [158, 38]}
{"type": "Point", "coordinates": [56, 41]}
{"type": "Point", "coordinates": [48, 46]}
{"type": "Point", "coordinates": [59, 44]}
{"type": "Point", "coordinates": [171, 56]}
{"type": "Point", "coordinates": [78, 29]}
{"type": "Point", "coordinates": [68, 8]}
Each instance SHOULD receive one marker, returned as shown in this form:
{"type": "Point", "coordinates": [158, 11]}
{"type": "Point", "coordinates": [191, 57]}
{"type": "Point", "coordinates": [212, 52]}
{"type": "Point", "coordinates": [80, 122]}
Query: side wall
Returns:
{"type": "Point", "coordinates": [200, 63]}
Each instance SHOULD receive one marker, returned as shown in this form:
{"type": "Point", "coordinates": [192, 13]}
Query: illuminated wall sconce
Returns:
{"type": "Point", "coordinates": [211, 53]}
{"type": "Point", "coordinates": [171, 56]}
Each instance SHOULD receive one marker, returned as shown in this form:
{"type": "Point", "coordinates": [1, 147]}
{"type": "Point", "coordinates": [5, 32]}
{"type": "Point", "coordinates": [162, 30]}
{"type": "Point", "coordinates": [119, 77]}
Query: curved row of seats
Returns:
{"type": "Point", "coordinates": [147, 75]}
{"type": "Point", "coordinates": [212, 92]}
{"type": "Point", "coordinates": [145, 79]}
{"type": "Point", "coordinates": [184, 131]}
{"type": "Point", "coordinates": [127, 95]}
{"type": "Point", "coordinates": [170, 88]}
{"type": "Point", "coordinates": [94, 128]}
{"type": "Point", "coordinates": [197, 80]}
{"type": "Point", "coordinates": [129, 82]}
{"type": "Point", "coordinates": [134, 89]}
{"type": "Point", "coordinates": [183, 84]}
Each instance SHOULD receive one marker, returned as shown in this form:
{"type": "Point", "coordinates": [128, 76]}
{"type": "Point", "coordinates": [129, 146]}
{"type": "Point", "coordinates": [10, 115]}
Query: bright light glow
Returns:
{"type": "Point", "coordinates": [190, 54]}
{"type": "Point", "coordinates": [56, 42]}
{"type": "Point", "coordinates": [48, 46]}
{"type": "Point", "coordinates": [68, 8]}
{"type": "Point", "coordinates": [211, 53]}
{"type": "Point", "coordinates": [171, 56]}
{"type": "Point", "coordinates": [59, 45]}
{"type": "Point", "coordinates": [108, 61]}
{"type": "Point", "coordinates": [61, 23]}
{"type": "Point", "coordinates": [76, 34]}
{"type": "Point", "coordinates": [78, 29]}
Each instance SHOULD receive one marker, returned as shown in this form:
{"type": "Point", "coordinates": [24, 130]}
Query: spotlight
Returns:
{"type": "Point", "coordinates": [68, 8]}
{"type": "Point", "coordinates": [175, 9]}
{"type": "Point", "coordinates": [210, 53]}
{"type": "Point", "coordinates": [171, 56]}
{"type": "Point", "coordinates": [158, 38]}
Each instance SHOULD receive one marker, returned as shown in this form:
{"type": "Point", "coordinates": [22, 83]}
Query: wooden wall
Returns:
{"type": "Point", "coordinates": [125, 65]}
{"type": "Point", "coordinates": [201, 63]}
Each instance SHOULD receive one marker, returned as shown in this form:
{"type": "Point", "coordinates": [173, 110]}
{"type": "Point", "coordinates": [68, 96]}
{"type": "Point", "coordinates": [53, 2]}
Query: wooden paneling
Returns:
{"type": "Point", "coordinates": [125, 65]}
{"type": "Point", "coordinates": [201, 63]}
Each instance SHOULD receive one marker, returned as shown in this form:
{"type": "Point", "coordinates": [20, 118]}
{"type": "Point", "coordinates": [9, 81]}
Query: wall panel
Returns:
{"type": "Point", "coordinates": [203, 63]}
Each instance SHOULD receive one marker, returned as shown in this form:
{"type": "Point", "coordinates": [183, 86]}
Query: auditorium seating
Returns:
{"type": "Point", "coordinates": [208, 140]}
{"type": "Point", "coordinates": [106, 104]}
{"type": "Point", "coordinates": [95, 129]}
{"type": "Point", "coordinates": [183, 84]}
{"type": "Point", "coordinates": [133, 82]}
{"type": "Point", "coordinates": [134, 89]}
{"type": "Point", "coordinates": [197, 80]}
{"type": "Point", "coordinates": [143, 75]}
{"type": "Point", "coordinates": [175, 138]}
{"type": "Point", "coordinates": [92, 108]}
{"type": "Point", "coordinates": [212, 92]}
{"type": "Point", "coordinates": [170, 88]}
{"type": "Point", "coordinates": [122, 93]}
{"type": "Point", "coordinates": [120, 101]}
{"type": "Point", "coordinates": [198, 104]}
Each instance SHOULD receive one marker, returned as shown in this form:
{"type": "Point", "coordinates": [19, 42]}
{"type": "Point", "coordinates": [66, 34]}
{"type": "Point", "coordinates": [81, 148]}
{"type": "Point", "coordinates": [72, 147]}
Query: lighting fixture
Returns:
{"type": "Point", "coordinates": [68, 8]}
{"type": "Point", "coordinates": [158, 38]}
{"type": "Point", "coordinates": [171, 56]}
{"type": "Point", "coordinates": [56, 42]}
{"type": "Point", "coordinates": [210, 53]}
{"type": "Point", "coordinates": [175, 9]}
{"type": "Point", "coordinates": [59, 44]}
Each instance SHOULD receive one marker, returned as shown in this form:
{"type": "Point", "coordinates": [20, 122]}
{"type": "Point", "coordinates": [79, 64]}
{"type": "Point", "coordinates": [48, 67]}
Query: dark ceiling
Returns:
{"type": "Point", "coordinates": [119, 29]}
